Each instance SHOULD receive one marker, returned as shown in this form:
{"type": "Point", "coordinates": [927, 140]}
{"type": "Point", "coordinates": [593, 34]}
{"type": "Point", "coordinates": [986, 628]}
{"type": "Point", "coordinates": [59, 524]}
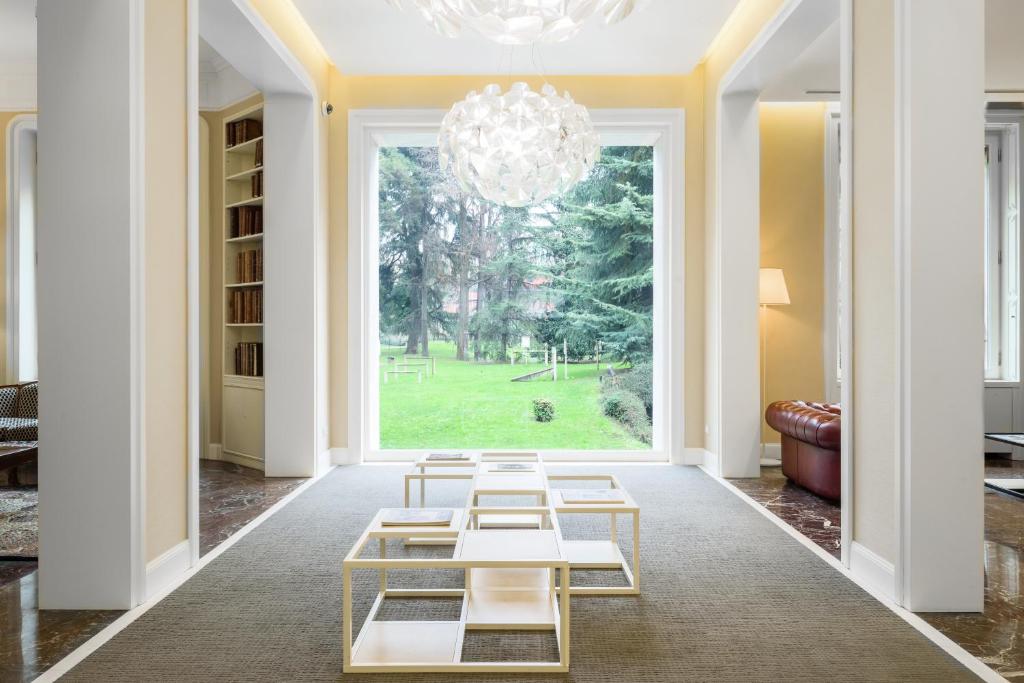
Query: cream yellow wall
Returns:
{"type": "Point", "coordinates": [683, 92]}
{"type": "Point", "coordinates": [215, 307]}
{"type": "Point", "coordinates": [743, 26]}
{"type": "Point", "coordinates": [5, 121]}
{"type": "Point", "coordinates": [874, 279]}
{"type": "Point", "coordinates": [793, 238]}
{"type": "Point", "coordinates": [166, 321]}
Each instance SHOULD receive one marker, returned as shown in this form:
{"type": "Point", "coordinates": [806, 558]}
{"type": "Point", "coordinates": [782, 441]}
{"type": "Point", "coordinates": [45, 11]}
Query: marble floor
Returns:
{"type": "Point", "coordinates": [811, 515]}
{"type": "Point", "coordinates": [996, 636]}
{"type": "Point", "coordinates": [33, 640]}
{"type": "Point", "coordinates": [231, 496]}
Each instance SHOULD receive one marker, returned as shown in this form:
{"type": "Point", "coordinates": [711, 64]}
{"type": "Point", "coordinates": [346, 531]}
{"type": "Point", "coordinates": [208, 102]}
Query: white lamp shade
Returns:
{"type": "Point", "coordinates": [773, 291]}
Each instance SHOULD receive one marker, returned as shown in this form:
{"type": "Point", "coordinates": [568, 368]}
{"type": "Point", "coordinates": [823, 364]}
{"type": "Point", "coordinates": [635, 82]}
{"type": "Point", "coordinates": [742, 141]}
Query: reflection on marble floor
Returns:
{"type": "Point", "coordinates": [997, 636]}
{"type": "Point", "coordinates": [814, 517]}
{"type": "Point", "coordinates": [32, 641]}
{"type": "Point", "coordinates": [231, 496]}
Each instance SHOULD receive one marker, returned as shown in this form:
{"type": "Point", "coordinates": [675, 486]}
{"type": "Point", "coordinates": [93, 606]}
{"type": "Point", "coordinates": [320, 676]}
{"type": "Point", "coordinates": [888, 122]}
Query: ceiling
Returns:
{"type": "Point", "coordinates": [815, 70]}
{"type": "Point", "coordinates": [370, 37]}
{"type": "Point", "coordinates": [18, 33]}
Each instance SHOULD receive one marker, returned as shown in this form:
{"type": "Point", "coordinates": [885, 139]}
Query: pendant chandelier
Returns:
{"type": "Point", "coordinates": [518, 22]}
{"type": "Point", "coordinates": [520, 147]}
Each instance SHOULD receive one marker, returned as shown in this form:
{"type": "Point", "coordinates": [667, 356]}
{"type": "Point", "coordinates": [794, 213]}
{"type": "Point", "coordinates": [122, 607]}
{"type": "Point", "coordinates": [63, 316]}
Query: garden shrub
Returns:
{"type": "Point", "coordinates": [543, 410]}
{"type": "Point", "coordinates": [627, 408]}
{"type": "Point", "coordinates": [640, 382]}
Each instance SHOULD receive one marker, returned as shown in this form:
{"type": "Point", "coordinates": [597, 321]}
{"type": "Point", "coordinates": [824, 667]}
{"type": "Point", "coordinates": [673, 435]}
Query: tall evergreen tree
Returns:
{"type": "Point", "coordinates": [604, 242]}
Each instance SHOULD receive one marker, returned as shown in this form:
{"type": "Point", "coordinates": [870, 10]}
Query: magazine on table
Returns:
{"type": "Point", "coordinates": [447, 456]}
{"type": "Point", "coordinates": [415, 517]}
{"type": "Point", "coordinates": [514, 467]}
{"type": "Point", "coordinates": [593, 496]}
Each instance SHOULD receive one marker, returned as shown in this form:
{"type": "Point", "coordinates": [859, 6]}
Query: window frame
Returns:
{"type": "Point", "coordinates": [1002, 250]}
{"type": "Point", "coordinates": [662, 129]}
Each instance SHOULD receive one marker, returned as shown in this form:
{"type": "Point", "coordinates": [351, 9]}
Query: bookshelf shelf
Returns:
{"type": "Point", "coordinates": [248, 146]}
{"type": "Point", "coordinates": [258, 237]}
{"type": "Point", "coordinates": [246, 174]}
{"type": "Point", "coordinates": [255, 201]}
{"type": "Point", "coordinates": [242, 414]}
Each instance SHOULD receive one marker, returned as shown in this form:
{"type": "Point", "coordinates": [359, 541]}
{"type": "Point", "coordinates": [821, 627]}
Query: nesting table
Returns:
{"type": "Point", "coordinates": [516, 562]}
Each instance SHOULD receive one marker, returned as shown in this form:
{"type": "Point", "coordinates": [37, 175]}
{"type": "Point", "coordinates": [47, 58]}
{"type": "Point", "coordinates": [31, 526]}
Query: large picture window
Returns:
{"type": "Point", "coordinates": [1002, 253]}
{"type": "Point", "coordinates": [515, 328]}
{"type": "Point", "coordinates": [556, 328]}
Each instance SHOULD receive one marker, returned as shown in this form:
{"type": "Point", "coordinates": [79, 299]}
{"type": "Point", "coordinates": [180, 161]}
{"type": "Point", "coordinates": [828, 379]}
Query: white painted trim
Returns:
{"type": "Point", "coordinates": [691, 456]}
{"type": "Point", "coordinates": [195, 305]}
{"type": "Point", "coordinates": [162, 571]}
{"type": "Point", "coordinates": [214, 451]}
{"type": "Point", "coordinates": [233, 103]}
{"type": "Point", "coordinates": [830, 341]}
{"type": "Point", "coordinates": [137, 277]}
{"type": "Point", "coordinates": [873, 570]}
{"type": "Point", "coordinates": [13, 164]}
{"type": "Point", "coordinates": [975, 665]}
{"type": "Point", "coordinates": [88, 647]}
{"type": "Point", "coordinates": [846, 130]}
{"type": "Point", "coordinates": [242, 459]}
{"type": "Point", "coordinates": [342, 456]}
{"type": "Point", "coordinates": [664, 129]}
{"type": "Point", "coordinates": [772, 450]}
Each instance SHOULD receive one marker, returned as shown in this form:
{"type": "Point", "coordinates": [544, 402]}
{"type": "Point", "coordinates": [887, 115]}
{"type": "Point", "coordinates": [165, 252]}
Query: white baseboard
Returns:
{"type": "Point", "coordinates": [243, 460]}
{"type": "Point", "coordinates": [164, 570]}
{"type": "Point", "coordinates": [324, 461]}
{"type": "Point", "coordinates": [710, 463]}
{"type": "Point", "coordinates": [772, 450]}
{"type": "Point", "coordinates": [214, 451]}
{"type": "Point", "coordinates": [341, 456]}
{"type": "Point", "coordinates": [691, 456]}
{"type": "Point", "coordinates": [872, 570]}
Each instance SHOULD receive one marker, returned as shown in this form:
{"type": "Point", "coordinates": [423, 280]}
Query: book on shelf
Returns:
{"type": "Point", "coordinates": [257, 184]}
{"type": "Point", "coordinates": [447, 457]}
{"type": "Point", "coordinates": [246, 307]}
{"type": "Point", "coordinates": [258, 154]}
{"type": "Point", "coordinates": [244, 221]}
{"type": "Point", "coordinates": [249, 359]}
{"type": "Point", "coordinates": [592, 496]}
{"type": "Point", "coordinates": [415, 517]}
{"type": "Point", "coordinates": [249, 266]}
{"type": "Point", "coordinates": [238, 132]}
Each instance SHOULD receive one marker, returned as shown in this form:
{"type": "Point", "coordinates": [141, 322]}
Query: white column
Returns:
{"type": "Point", "coordinates": [939, 217]}
{"type": "Point", "coordinates": [290, 331]}
{"type": "Point", "coordinates": [734, 273]}
{"type": "Point", "coordinates": [90, 313]}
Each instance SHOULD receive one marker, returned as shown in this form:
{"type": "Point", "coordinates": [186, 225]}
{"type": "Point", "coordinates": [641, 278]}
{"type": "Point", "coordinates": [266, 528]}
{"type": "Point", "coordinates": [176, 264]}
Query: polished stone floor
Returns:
{"type": "Point", "coordinates": [996, 637]}
{"type": "Point", "coordinates": [33, 640]}
{"type": "Point", "coordinates": [231, 496]}
{"type": "Point", "coordinates": [811, 515]}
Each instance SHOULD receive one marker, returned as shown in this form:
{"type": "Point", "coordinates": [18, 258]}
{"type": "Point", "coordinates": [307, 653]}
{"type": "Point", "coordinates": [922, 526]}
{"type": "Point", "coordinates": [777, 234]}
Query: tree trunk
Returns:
{"type": "Point", "coordinates": [462, 328]}
{"type": "Point", "coordinates": [414, 334]}
{"type": "Point", "coordinates": [424, 310]}
{"type": "Point", "coordinates": [480, 290]}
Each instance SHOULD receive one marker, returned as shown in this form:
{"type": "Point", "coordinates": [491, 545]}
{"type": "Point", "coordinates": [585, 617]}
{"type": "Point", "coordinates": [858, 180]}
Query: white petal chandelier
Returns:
{"type": "Point", "coordinates": [518, 22]}
{"type": "Point", "coordinates": [520, 147]}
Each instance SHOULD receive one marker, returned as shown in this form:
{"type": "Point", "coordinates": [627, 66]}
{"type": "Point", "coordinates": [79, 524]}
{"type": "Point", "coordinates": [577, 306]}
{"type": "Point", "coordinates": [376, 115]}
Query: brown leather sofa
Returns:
{"type": "Point", "coordinates": [810, 444]}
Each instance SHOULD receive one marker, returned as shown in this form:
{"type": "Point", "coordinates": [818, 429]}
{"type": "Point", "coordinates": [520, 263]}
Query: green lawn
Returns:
{"type": "Point", "coordinates": [474, 405]}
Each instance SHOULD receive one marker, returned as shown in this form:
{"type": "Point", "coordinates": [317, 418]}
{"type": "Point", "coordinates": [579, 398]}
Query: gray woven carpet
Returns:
{"type": "Point", "coordinates": [727, 596]}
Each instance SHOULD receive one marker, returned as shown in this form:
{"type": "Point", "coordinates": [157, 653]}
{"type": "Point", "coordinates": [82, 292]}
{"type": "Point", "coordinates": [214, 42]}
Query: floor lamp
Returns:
{"type": "Point", "coordinates": [772, 292]}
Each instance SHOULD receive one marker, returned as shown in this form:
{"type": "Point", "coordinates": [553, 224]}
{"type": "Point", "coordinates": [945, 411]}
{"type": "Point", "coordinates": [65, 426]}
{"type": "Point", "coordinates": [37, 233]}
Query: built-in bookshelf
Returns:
{"type": "Point", "coordinates": [242, 398]}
